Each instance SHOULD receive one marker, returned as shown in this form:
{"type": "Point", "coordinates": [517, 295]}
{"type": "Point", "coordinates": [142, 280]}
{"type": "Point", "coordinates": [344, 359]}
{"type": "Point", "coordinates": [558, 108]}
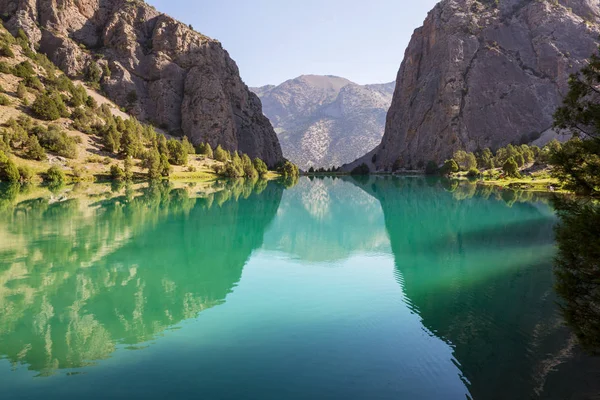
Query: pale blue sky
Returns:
{"type": "Point", "coordinates": [275, 40]}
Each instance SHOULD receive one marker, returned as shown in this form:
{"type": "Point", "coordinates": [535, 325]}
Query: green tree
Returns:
{"type": "Point", "coordinates": [116, 173]}
{"type": "Point", "coordinates": [128, 168]}
{"type": "Point", "coordinates": [205, 150]}
{"type": "Point", "coordinates": [151, 162]}
{"type": "Point", "coordinates": [35, 151]}
{"type": "Point", "coordinates": [449, 167]}
{"type": "Point", "coordinates": [93, 73]}
{"type": "Point", "coordinates": [220, 154]}
{"type": "Point", "coordinates": [511, 169]}
{"type": "Point", "coordinates": [178, 154]}
{"type": "Point", "coordinates": [260, 167]}
{"type": "Point", "coordinates": [55, 175]}
{"type": "Point", "coordinates": [290, 170]}
{"type": "Point", "coordinates": [8, 169]}
{"type": "Point", "coordinates": [46, 108]}
{"type": "Point", "coordinates": [465, 161]}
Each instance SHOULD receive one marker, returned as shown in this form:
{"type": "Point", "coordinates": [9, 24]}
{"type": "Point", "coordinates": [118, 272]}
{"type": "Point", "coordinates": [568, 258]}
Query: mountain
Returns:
{"type": "Point", "coordinates": [484, 74]}
{"type": "Point", "coordinates": [159, 69]}
{"type": "Point", "coordinates": [325, 121]}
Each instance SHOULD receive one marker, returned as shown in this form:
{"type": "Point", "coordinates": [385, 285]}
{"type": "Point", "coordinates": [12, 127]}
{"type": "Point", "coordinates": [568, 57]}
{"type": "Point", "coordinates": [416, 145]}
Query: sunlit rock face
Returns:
{"type": "Point", "coordinates": [161, 70]}
{"type": "Point", "coordinates": [325, 121]}
{"type": "Point", "coordinates": [478, 75]}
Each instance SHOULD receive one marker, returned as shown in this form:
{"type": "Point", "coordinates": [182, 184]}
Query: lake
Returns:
{"type": "Point", "coordinates": [379, 288]}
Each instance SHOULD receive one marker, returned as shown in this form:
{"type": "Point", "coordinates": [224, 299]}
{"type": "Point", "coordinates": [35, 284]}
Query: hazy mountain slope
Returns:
{"type": "Point", "coordinates": [160, 69]}
{"type": "Point", "coordinates": [325, 121]}
{"type": "Point", "coordinates": [484, 74]}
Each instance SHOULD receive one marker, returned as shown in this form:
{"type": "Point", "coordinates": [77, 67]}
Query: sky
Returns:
{"type": "Point", "coordinates": [276, 40]}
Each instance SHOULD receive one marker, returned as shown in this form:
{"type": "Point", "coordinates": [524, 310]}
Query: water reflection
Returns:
{"type": "Point", "coordinates": [80, 275]}
{"type": "Point", "coordinates": [466, 308]}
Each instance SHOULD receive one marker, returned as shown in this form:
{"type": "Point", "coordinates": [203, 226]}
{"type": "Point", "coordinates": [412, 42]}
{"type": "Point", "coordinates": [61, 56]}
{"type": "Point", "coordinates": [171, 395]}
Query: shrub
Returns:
{"type": "Point", "coordinates": [46, 108]}
{"type": "Point", "coordinates": [21, 90]}
{"type": "Point", "coordinates": [116, 173]}
{"type": "Point", "coordinates": [56, 140]}
{"type": "Point", "coordinates": [6, 51]}
{"type": "Point", "coordinates": [34, 83]}
{"type": "Point", "coordinates": [4, 100]}
{"type": "Point", "coordinates": [473, 173]}
{"type": "Point", "coordinates": [5, 68]}
{"type": "Point", "coordinates": [35, 151]}
{"type": "Point", "coordinates": [25, 173]}
{"type": "Point", "coordinates": [23, 70]}
{"type": "Point", "coordinates": [450, 167]}
{"type": "Point", "coordinates": [55, 175]}
{"type": "Point", "coordinates": [8, 169]}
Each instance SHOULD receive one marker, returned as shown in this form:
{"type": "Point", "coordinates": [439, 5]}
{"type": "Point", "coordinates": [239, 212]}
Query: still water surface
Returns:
{"type": "Point", "coordinates": [331, 289]}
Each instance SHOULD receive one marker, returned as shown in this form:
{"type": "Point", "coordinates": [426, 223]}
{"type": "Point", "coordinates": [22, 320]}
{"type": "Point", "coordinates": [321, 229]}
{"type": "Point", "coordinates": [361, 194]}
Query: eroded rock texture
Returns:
{"type": "Point", "coordinates": [160, 69]}
{"type": "Point", "coordinates": [479, 74]}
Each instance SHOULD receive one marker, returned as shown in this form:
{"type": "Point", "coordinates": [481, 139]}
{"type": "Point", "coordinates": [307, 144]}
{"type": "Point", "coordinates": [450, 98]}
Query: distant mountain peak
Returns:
{"type": "Point", "coordinates": [326, 120]}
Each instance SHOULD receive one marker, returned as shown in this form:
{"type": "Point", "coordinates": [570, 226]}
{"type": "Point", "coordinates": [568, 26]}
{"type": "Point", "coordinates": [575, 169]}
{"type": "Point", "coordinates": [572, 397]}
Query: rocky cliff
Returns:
{"type": "Point", "coordinates": [483, 74]}
{"type": "Point", "coordinates": [158, 68]}
{"type": "Point", "coordinates": [325, 121]}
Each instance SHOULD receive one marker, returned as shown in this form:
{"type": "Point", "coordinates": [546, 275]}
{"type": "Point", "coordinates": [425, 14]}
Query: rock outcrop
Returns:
{"type": "Point", "coordinates": [325, 121]}
{"type": "Point", "coordinates": [159, 69]}
{"type": "Point", "coordinates": [484, 74]}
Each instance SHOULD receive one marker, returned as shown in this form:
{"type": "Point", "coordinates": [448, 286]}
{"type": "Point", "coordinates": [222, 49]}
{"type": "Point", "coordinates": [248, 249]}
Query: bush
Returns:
{"type": "Point", "coordinates": [21, 90]}
{"type": "Point", "coordinates": [55, 175]}
{"type": "Point", "coordinates": [362, 169]}
{"type": "Point", "coordinates": [46, 108]}
{"type": "Point", "coordinates": [4, 100]}
{"type": "Point", "coordinates": [56, 140]}
{"type": "Point", "coordinates": [35, 151]}
{"type": "Point", "coordinates": [23, 70]}
{"type": "Point", "coordinates": [8, 169]}
{"type": "Point", "coordinates": [5, 68]}
{"type": "Point", "coordinates": [473, 173]}
{"type": "Point", "coordinates": [116, 173]}
{"type": "Point", "coordinates": [26, 174]}
{"type": "Point", "coordinates": [6, 51]}
{"type": "Point", "coordinates": [34, 83]}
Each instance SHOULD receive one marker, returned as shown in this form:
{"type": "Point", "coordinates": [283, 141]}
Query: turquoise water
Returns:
{"type": "Point", "coordinates": [333, 289]}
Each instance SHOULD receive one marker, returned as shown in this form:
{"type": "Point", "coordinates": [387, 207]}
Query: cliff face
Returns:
{"type": "Point", "coordinates": [158, 68]}
{"type": "Point", "coordinates": [478, 75]}
{"type": "Point", "coordinates": [325, 121]}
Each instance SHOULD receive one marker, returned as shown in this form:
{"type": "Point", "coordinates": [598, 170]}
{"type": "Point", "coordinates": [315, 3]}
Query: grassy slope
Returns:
{"type": "Point", "coordinates": [91, 157]}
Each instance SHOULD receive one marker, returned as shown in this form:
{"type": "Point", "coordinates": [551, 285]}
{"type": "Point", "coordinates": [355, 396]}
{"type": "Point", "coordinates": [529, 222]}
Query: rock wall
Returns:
{"type": "Point", "coordinates": [484, 74]}
{"type": "Point", "coordinates": [161, 70]}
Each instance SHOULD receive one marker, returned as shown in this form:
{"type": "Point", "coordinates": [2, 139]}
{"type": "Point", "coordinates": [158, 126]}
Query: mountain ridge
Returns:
{"type": "Point", "coordinates": [326, 120]}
